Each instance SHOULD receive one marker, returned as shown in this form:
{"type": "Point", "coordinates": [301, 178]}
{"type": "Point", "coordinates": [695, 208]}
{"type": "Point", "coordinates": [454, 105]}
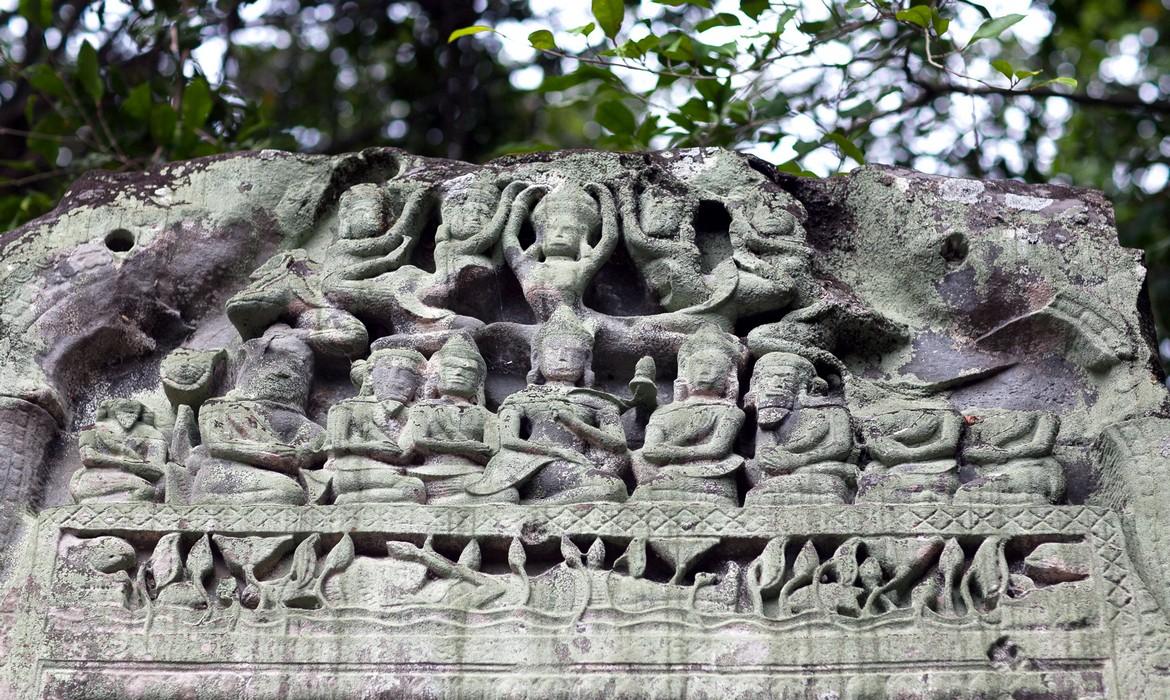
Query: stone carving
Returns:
{"type": "Point", "coordinates": [574, 448]}
{"type": "Point", "coordinates": [857, 583]}
{"type": "Point", "coordinates": [689, 453]}
{"type": "Point", "coordinates": [123, 455]}
{"type": "Point", "coordinates": [257, 438]}
{"type": "Point", "coordinates": [451, 434]}
{"type": "Point", "coordinates": [366, 433]}
{"type": "Point", "coordinates": [545, 438]}
{"type": "Point", "coordinates": [560, 264]}
{"type": "Point", "coordinates": [914, 454]}
{"type": "Point", "coordinates": [1012, 455]}
{"type": "Point", "coordinates": [804, 441]}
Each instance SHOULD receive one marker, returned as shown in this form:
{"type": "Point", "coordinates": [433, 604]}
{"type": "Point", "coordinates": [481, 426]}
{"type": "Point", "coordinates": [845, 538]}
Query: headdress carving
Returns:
{"type": "Point", "coordinates": [562, 324]}
{"type": "Point", "coordinates": [570, 200]}
{"type": "Point", "coordinates": [709, 339]}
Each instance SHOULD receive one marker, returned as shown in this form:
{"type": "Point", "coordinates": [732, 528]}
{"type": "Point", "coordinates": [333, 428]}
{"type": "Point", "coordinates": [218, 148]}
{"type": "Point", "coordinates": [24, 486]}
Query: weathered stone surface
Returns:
{"type": "Point", "coordinates": [577, 424]}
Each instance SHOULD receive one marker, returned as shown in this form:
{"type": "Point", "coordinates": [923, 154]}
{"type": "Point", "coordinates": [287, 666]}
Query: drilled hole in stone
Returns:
{"type": "Point", "coordinates": [119, 240]}
{"type": "Point", "coordinates": [954, 249]}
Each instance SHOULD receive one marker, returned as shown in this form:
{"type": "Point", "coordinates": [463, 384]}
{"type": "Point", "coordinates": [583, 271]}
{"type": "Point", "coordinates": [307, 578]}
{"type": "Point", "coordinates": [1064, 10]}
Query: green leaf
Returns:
{"type": "Point", "coordinates": [723, 19]}
{"type": "Point", "coordinates": [137, 103]}
{"type": "Point", "coordinates": [196, 103]}
{"type": "Point", "coordinates": [696, 110]}
{"type": "Point", "coordinates": [584, 30]}
{"type": "Point", "coordinates": [38, 12]}
{"type": "Point", "coordinates": [88, 73]}
{"type": "Point", "coordinates": [1062, 80]}
{"type": "Point", "coordinates": [163, 119]}
{"type": "Point", "coordinates": [941, 24]}
{"type": "Point", "coordinates": [774, 108]}
{"type": "Point", "coordinates": [994, 27]}
{"type": "Point", "coordinates": [45, 79]}
{"type": "Point", "coordinates": [919, 15]}
{"type": "Point", "coordinates": [468, 31]}
{"type": "Point", "coordinates": [542, 40]}
{"type": "Point", "coordinates": [1025, 74]}
{"type": "Point", "coordinates": [1003, 67]}
{"type": "Point", "coordinates": [609, 14]}
{"type": "Point", "coordinates": [793, 168]}
{"type": "Point", "coordinates": [847, 146]}
{"type": "Point", "coordinates": [50, 125]}
{"type": "Point", "coordinates": [753, 8]}
{"type": "Point", "coordinates": [585, 73]}
{"type": "Point", "coordinates": [616, 117]}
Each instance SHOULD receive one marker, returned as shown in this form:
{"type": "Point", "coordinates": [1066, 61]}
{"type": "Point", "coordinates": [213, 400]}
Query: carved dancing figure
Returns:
{"type": "Point", "coordinates": [451, 434]}
{"type": "Point", "coordinates": [559, 441]}
{"type": "Point", "coordinates": [1012, 455]}
{"type": "Point", "coordinates": [472, 220]}
{"type": "Point", "coordinates": [660, 237]}
{"type": "Point", "coordinates": [367, 244]}
{"type": "Point", "coordinates": [689, 452]}
{"type": "Point", "coordinates": [366, 458]}
{"type": "Point", "coordinates": [123, 455]}
{"type": "Point", "coordinates": [770, 254]}
{"type": "Point", "coordinates": [914, 456]}
{"type": "Point", "coordinates": [558, 267]}
{"type": "Point", "coordinates": [804, 440]}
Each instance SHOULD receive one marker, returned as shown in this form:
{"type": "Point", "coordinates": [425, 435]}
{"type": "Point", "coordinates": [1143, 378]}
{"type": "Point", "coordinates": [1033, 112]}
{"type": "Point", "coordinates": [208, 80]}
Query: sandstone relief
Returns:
{"type": "Point", "coordinates": [675, 393]}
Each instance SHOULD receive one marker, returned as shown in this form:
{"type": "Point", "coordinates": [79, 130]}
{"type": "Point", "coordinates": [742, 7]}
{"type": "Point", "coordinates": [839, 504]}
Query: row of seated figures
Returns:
{"type": "Point", "coordinates": [418, 431]}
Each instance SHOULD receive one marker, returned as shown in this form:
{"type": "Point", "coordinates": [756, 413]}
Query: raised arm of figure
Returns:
{"type": "Point", "coordinates": [610, 233]}
{"type": "Point", "coordinates": [482, 241]}
{"type": "Point", "coordinates": [519, 210]}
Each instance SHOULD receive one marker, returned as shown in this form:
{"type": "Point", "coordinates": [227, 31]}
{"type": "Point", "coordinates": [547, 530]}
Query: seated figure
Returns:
{"type": "Point", "coordinates": [804, 441]}
{"type": "Point", "coordinates": [123, 455]}
{"type": "Point", "coordinates": [559, 442]}
{"type": "Point", "coordinates": [451, 435]}
{"type": "Point", "coordinates": [914, 453]}
{"type": "Point", "coordinates": [1012, 455]}
{"type": "Point", "coordinates": [257, 438]}
{"type": "Point", "coordinates": [688, 453]}
{"type": "Point", "coordinates": [366, 459]}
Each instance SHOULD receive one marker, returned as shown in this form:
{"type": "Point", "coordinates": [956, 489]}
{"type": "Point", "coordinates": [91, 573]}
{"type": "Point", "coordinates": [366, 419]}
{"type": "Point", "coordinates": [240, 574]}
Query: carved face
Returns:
{"type": "Point", "coordinates": [466, 217]}
{"type": "Point", "coordinates": [563, 236]}
{"type": "Point", "coordinates": [460, 376]}
{"type": "Point", "coordinates": [362, 217]}
{"type": "Point", "coordinates": [563, 359]}
{"type": "Point", "coordinates": [395, 378]}
{"type": "Point", "coordinates": [777, 386]}
{"type": "Point", "coordinates": [707, 372]}
{"type": "Point", "coordinates": [661, 217]}
{"type": "Point", "coordinates": [125, 412]}
{"type": "Point", "coordinates": [773, 221]}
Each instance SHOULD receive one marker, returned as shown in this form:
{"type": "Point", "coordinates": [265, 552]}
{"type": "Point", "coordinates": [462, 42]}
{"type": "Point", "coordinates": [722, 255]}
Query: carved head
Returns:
{"type": "Point", "coordinates": [562, 351]}
{"type": "Point", "coordinates": [565, 220]}
{"type": "Point", "coordinates": [125, 413]}
{"type": "Point", "coordinates": [662, 214]}
{"type": "Point", "coordinates": [278, 366]}
{"type": "Point", "coordinates": [361, 212]}
{"type": "Point", "coordinates": [470, 210]}
{"type": "Point", "coordinates": [391, 374]}
{"type": "Point", "coordinates": [458, 369]}
{"type": "Point", "coordinates": [778, 381]}
{"type": "Point", "coordinates": [707, 364]}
